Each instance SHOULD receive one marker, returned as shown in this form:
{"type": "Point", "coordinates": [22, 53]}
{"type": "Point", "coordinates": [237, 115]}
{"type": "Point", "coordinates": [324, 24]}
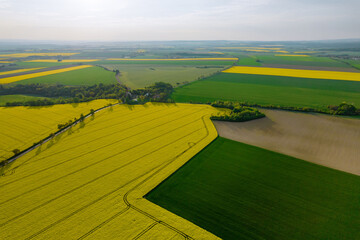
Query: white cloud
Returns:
{"type": "Point", "coordinates": [186, 19]}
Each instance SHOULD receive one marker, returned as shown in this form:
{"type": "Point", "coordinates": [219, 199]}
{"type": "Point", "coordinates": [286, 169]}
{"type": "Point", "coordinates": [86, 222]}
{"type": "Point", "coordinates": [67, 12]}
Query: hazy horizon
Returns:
{"type": "Point", "coordinates": [160, 20]}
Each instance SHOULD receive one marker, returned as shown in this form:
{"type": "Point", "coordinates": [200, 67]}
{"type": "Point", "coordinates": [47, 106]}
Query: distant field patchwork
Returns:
{"type": "Point", "coordinates": [139, 76]}
{"type": "Point", "coordinates": [238, 191]}
{"type": "Point", "coordinates": [265, 90]}
{"type": "Point", "coordinates": [81, 75]}
{"type": "Point", "coordinates": [349, 76]}
{"type": "Point", "coordinates": [40, 74]}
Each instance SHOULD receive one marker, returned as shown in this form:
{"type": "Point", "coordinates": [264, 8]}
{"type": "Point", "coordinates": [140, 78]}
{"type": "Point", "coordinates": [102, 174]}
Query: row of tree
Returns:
{"type": "Point", "coordinates": [342, 109]}
{"type": "Point", "coordinates": [60, 94]}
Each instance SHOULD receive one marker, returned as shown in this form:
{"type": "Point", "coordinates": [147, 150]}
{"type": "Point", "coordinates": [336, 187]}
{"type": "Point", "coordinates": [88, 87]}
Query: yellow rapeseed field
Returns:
{"type": "Point", "coordinates": [5, 61]}
{"type": "Point", "coordinates": [18, 71]}
{"type": "Point", "coordinates": [216, 53]}
{"type": "Point", "coordinates": [291, 55]}
{"type": "Point", "coordinates": [281, 51]}
{"type": "Point", "coordinates": [40, 74]}
{"type": "Point", "coordinates": [333, 75]}
{"type": "Point", "coordinates": [254, 48]}
{"type": "Point", "coordinates": [65, 60]}
{"type": "Point", "coordinates": [306, 52]}
{"type": "Point", "coordinates": [89, 182]}
{"type": "Point", "coordinates": [23, 55]}
{"type": "Point", "coordinates": [22, 126]}
{"type": "Point", "coordinates": [170, 59]}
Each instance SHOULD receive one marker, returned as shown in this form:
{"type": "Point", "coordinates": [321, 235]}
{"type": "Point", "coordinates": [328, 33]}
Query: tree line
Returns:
{"type": "Point", "coordinates": [61, 94]}
{"type": "Point", "coordinates": [238, 112]}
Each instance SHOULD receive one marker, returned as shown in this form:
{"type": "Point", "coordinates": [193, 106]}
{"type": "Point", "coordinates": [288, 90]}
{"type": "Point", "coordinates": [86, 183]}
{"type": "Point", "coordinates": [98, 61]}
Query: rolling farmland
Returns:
{"type": "Point", "coordinates": [277, 90]}
{"type": "Point", "coordinates": [238, 191]}
{"type": "Point", "coordinates": [301, 61]}
{"type": "Point", "coordinates": [24, 55]}
{"type": "Point", "coordinates": [40, 74]}
{"type": "Point", "coordinates": [82, 75]}
{"type": "Point", "coordinates": [322, 139]}
{"type": "Point", "coordinates": [314, 74]}
{"type": "Point", "coordinates": [22, 126]}
{"type": "Point", "coordinates": [18, 71]}
{"type": "Point", "coordinates": [139, 76]}
{"type": "Point", "coordinates": [94, 176]}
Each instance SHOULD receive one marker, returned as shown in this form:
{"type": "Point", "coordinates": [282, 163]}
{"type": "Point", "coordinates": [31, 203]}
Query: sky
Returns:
{"type": "Point", "coordinates": [148, 20]}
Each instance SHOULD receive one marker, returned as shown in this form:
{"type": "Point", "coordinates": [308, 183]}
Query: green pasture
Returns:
{"type": "Point", "coordinates": [86, 76]}
{"type": "Point", "coordinates": [265, 90]}
{"type": "Point", "coordinates": [139, 76]}
{"type": "Point", "coordinates": [238, 191]}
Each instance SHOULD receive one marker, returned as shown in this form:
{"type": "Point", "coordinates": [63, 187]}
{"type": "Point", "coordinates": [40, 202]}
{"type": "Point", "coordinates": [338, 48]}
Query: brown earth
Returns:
{"type": "Point", "coordinates": [338, 69]}
{"type": "Point", "coordinates": [323, 139]}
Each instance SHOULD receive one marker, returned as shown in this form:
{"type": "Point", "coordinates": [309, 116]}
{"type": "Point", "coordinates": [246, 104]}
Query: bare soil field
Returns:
{"type": "Point", "coordinates": [326, 140]}
{"type": "Point", "coordinates": [339, 69]}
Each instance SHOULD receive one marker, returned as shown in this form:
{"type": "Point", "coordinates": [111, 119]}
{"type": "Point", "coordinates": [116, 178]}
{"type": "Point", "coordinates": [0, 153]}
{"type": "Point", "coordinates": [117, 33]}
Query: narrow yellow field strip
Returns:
{"type": "Point", "coordinates": [281, 51]}
{"type": "Point", "coordinates": [333, 75]}
{"type": "Point", "coordinates": [66, 61]}
{"type": "Point", "coordinates": [306, 52]}
{"type": "Point", "coordinates": [20, 55]}
{"type": "Point", "coordinates": [291, 55]}
{"type": "Point", "coordinates": [255, 48]}
{"type": "Point", "coordinates": [40, 74]}
{"type": "Point", "coordinates": [172, 59]}
{"type": "Point", "coordinates": [18, 71]}
{"type": "Point", "coordinates": [5, 61]}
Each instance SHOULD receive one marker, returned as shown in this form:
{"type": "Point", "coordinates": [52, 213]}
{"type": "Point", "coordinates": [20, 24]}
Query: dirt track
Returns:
{"type": "Point", "coordinates": [326, 140]}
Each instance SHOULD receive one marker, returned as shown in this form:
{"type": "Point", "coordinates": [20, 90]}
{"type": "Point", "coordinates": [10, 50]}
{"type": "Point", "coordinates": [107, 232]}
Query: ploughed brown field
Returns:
{"type": "Point", "coordinates": [322, 139]}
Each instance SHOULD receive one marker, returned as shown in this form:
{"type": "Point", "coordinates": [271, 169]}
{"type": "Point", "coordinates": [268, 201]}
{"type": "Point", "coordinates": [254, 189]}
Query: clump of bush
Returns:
{"type": "Point", "coordinates": [238, 113]}
{"type": "Point", "coordinates": [344, 109]}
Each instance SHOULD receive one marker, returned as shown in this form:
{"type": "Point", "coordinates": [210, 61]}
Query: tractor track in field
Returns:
{"type": "Point", "coordinates": [156, 170]}
{"type": "Point", "coordinates": [39, 70]}
{"type": "Point", "coordinates": [96, 149]}
{"type": "Point", "coordinates": [64, 150]}
{"type": "Point", "coordinates": [43, 141]}
{"type": "Point", "coordinates": [105, 195]}
{"type": "Point", "coordinates": [93, 180]}
{"type": "Point", "coordinates": [97, 162]}
{"type": "Point", "coordinates": [129, 205]}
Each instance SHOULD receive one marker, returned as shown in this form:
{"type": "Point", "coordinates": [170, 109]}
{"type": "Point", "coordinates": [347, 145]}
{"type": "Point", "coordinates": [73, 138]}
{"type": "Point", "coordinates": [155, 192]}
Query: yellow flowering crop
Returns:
{"type": "Point", "coordinates": [333, 75]}
{"type": "Point", "coordinates": [65, 60]}
{"type": "Point", "coordinates": [279, 51]}
{"type": "Point", "coordinates": [170, 59]}
{"type": "Point", "coordinates": [18, 71]}
{"type": "Point", "coordinates": [23, 55]}
{"type": "Point", "coordinates": [248, 48]}
{"type": "Point", "coordinates": [40, 74]}
{"type": "Point", "coordinates": [216, 53]}
{"type": "Point", "coordinates": [22, 126]}
{"type": "Point", "coordinates": [291, 55]}
{"type": "Point", "coordinates": [90, 181]}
